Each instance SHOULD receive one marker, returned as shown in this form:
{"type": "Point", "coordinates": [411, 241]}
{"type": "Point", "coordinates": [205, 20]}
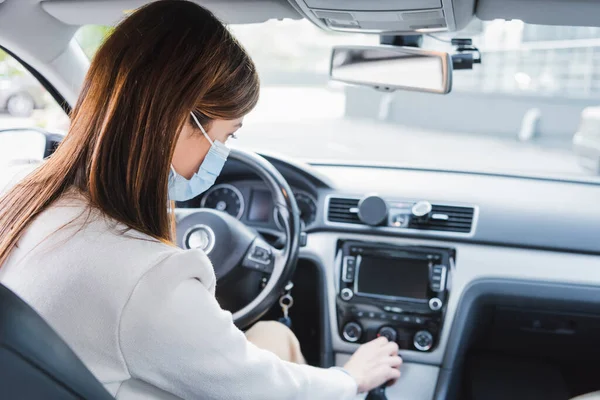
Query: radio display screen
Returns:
{"type": "Point", "coordinates": [397, 277]}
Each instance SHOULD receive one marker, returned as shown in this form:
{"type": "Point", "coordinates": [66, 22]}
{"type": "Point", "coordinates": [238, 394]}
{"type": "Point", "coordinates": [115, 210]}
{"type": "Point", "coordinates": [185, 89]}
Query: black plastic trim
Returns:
{"type": "Point", "coordinates": [501, 291]}
{"type": "Point", "coordinates": [327, 357]}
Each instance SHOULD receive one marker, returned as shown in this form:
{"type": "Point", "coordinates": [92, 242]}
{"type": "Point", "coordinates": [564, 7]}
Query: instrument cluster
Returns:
{"type": "Point", "coordinates": [253, 203]}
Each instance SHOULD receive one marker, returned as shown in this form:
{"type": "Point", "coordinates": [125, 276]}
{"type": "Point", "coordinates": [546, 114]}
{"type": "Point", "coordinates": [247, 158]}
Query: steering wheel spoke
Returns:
{"type": "Point", "coordinates": [260, 257]}
{"type": "Point", "coordinates": [230, 244]}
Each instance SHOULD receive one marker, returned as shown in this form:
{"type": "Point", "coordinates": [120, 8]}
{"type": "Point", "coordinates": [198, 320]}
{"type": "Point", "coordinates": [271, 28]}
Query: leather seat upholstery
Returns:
{"type": "Point", "coordinates": [35, 363]}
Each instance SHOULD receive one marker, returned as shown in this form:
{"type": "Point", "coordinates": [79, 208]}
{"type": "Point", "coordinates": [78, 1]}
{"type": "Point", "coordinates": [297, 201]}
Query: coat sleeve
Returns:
{"type": "Point", "coordinates": [174, 335]}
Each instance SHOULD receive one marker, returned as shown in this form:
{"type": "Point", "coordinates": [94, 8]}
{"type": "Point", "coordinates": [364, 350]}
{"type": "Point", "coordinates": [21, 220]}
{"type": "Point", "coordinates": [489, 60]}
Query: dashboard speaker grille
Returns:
{"type": "Point", "coordinates": [446, 219]}
{"type": "Point", "coordinates": [343, 210]}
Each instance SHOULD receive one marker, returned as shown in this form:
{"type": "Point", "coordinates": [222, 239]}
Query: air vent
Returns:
{"type": "Point", "coordinates": [343, 210]}
{"type": "Point", "coordinates": [446, 219]}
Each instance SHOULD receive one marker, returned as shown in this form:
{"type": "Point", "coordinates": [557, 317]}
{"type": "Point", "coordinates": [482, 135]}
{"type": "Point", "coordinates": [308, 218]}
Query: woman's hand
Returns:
{"type": "Point", "coordinates": [374, 363]}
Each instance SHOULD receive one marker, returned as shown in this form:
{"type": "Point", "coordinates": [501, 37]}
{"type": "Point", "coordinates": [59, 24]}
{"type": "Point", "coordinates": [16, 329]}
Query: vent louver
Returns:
{"type": "Point", "coordinates": [343, 210]}
{"type": "Point", "coordinates": [446, 219]}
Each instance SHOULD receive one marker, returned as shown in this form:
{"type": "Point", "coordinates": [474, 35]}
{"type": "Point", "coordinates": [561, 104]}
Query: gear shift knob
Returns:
{"type": "Point", "coordinates": [377, 393]}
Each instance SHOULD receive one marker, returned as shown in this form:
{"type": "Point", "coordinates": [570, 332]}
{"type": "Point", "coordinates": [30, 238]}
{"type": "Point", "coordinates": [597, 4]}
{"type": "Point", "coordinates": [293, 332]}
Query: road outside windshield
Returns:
{"type": "Point", "coordinates": [519, 112]}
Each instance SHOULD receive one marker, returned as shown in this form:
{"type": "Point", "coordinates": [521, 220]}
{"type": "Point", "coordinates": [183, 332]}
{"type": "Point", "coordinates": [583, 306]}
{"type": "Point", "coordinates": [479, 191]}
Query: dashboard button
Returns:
{"type": "Point", "coordinates": [348, 269]}
{"type": "Point", "coordinates": [257, 266]}
{"type": "Point", "coordinates": [352, 332]}
{"type": "Point", "coordinates": [387, 332]}
{"type": "Point", "coordinates": [303, 239]}
{"type": "Point", "coordinates": [423, 341]}
{"type": "Point", "coordinates": [259, 258]}
{"type": "Point", "coordinates": [346, 294]}
{"type": "Point", "coordinates": [349, 276]}
{"type": "Point", "coordinates": [396, 310]}
{"type": "Point", "coordinates": [435, 304]}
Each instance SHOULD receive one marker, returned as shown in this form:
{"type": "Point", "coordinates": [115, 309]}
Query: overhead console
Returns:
{"type": "Point", "coordinates": [388, 16]}
{"type": "Point", "coordinates": [398, 292]}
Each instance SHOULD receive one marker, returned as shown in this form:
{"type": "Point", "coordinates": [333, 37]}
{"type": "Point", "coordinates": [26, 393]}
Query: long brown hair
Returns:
{"type": "Point", "coordinates": [166, 59]}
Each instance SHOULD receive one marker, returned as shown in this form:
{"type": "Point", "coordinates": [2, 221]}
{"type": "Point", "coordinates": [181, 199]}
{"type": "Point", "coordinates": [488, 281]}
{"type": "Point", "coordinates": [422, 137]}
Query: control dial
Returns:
{"type": "Point", "coordinates": [423, 340]}
{"type": "Point", "coordinates": [352, 332]}
{"type": "Point", "coordinates": [422, 210]}
{"type": "Point", "coordinates": [435, 304]}
{"type": "Point", "coordinates": [372, 210]}
{"type": "Point", "coordinates": [346, 294]}
{"type": "Point", "coordinates": [387, 332]}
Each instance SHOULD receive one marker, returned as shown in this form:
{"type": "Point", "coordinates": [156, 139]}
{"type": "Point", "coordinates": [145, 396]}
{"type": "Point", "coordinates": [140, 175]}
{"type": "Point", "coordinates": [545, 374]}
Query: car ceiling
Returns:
{"type": "Point", "coordinates": [40, 31]}
{"type": "Point", "coordinates": [551, 12]}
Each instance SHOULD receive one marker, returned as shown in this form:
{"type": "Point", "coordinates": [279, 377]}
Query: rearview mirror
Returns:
{"type": "Point", "coordinates": [392, 68]}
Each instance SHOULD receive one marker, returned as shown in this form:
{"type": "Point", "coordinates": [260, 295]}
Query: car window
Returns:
{"type": "Point", "coordinates": [530, 108]}
{"type": "Point", "coordinates": [26, 110]}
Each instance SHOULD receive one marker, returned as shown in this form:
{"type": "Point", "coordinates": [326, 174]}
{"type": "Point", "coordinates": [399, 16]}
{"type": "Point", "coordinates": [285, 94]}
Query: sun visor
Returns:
{"type": "Point", "coordinates": [78, 12]}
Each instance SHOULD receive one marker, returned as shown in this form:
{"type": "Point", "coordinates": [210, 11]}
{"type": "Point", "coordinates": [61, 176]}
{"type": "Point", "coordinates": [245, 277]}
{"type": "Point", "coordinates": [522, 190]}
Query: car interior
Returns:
{"type": "Point", "coordinates": [485, 279]}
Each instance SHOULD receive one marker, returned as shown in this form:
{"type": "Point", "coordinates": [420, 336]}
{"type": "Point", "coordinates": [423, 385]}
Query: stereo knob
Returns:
{"type": "Point", "coordinates": [352, 332]}
{"type": "Point", "coordinates": [372, 210]}
{"type": "Point", "coordinates": [387, 332]}
{"type": "Point", "coordinates": [435, 304]}
{"type": "Point", "coordinates": [423, 340]}
{"type": "Point", "coordinates": [346, 294]}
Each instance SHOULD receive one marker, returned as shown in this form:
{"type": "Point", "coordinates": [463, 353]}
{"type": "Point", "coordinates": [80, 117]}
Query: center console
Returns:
{"type": "Point", "coordinates": [398, 292]}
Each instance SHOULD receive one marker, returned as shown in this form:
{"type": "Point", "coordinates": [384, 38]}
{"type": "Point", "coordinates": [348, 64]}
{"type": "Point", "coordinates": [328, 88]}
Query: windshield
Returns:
{"type": "Point", "coordinates": [519, 112]}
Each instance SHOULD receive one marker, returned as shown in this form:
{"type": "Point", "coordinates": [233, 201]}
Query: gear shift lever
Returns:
{"type": "Point", "coordinates": [378, 393]}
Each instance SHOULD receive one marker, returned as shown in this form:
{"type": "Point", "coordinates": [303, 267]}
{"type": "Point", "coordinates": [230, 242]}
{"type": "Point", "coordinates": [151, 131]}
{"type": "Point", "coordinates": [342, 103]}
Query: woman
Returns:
{"type": "Point", "coordinates": [86, 238]}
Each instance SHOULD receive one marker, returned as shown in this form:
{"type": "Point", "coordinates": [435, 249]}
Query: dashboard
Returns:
{"type": "Point", "coordinates": [441, 238]}
{"type": "Point", "coordinates": [499, 210]}
{"type": "Point", "coordinates": [251, 202]}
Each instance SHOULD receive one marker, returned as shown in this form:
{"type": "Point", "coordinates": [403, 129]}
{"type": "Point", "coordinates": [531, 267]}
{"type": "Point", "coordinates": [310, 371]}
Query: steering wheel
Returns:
{"type": "Point", "coordinates": [238, 253]}
{"type": "Point", "coordinates": [232, 247]}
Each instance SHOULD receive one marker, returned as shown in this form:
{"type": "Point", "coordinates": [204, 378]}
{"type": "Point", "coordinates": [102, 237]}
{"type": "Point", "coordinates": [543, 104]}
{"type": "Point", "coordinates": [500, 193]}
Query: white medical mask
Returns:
{"type": "Point", "coordinates": [182, 189]}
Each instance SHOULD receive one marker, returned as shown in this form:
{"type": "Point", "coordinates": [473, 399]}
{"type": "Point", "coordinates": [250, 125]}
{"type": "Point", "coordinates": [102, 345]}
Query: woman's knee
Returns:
{"type": "Point", "coordinates": [277, 338]}
{"type": "Point", "coordinates": [267, 331]}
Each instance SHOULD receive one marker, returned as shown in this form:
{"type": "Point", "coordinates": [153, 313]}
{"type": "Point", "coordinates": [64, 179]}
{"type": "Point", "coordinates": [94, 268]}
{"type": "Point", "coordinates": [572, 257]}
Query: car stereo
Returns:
{"type": "Point", "coordinates": [395, 291]}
